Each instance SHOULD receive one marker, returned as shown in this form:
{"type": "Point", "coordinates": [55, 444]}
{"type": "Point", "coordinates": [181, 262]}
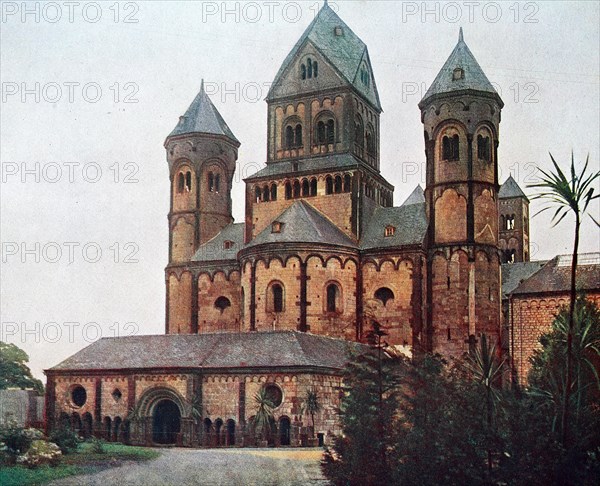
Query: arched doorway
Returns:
{"type": "Point", "coordinates": [87, 425]}
{"type": "Point", "coordinates": [230, 432]}
{"type": "Point", "coordinates": [284, 431]}
{"type": "Point", "coordinates": [166, 422]}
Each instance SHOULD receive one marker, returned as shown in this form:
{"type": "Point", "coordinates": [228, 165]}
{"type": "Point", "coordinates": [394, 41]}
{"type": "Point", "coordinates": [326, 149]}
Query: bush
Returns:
{"type": "Point", "coordinates": [39, 454]}
{"type": "Point", "coordinates": [65, 438]}
{"type": "Point", "coordinates": [97, 446]}
{"type": "Point", "coordinates": [16, 439]}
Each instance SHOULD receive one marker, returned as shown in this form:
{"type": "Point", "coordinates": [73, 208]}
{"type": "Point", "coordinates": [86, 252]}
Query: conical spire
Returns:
{"type": "Point", "coordinates": [460, 72]}
{"type": "Point", "coordinates": [416, 197]}
{"type": "Point", "coordinates": [202, 117]}
{"type": "Point", "coordinates": [510, 189]}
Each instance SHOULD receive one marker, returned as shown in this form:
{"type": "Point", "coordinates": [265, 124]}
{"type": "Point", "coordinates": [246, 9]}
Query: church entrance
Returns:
{"type": "Point", "coordinates": [285, 427]}
{"type": "Point", "coordinates": [166, 422]}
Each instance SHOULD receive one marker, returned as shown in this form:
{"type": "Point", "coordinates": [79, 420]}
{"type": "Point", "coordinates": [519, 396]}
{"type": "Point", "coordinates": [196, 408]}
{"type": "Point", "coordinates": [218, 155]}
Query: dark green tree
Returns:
{"type": "Point", "coordinates": [572, 194]}
{"type": "Point", "coordinates": [311, 406]}
{"type": "Point", "coordinates": [264, 418]}
{"type": "Point", "coordinates": [14, 372]}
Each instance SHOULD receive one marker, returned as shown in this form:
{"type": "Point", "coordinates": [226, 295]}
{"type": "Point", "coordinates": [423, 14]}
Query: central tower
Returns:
{"type": "Point", "coordinates": [461, 117]}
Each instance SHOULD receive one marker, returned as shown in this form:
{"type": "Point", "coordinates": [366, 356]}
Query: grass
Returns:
{"type": "Point", "coordinates": [84, 461]}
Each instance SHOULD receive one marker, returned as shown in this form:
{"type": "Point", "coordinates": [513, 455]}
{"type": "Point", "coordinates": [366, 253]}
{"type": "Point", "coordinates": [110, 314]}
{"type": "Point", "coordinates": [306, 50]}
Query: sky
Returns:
{"type": "Point", "coordinates": [90, 90]}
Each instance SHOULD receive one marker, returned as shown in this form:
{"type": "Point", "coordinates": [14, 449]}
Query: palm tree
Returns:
{"type": "Point", "coordinates": [568, 195]}
{"type": "Point", "coordinates": [263, 420]}
{"type": "Point", "coordinates": [311, 406]}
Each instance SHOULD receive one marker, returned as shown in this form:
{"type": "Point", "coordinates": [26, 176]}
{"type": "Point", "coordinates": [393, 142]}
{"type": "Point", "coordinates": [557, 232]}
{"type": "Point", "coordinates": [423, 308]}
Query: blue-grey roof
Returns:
{"type": "Point", "coordinates": [302, 223]}
{"type": "Point", "coordinates": [474, 77]}
{"type": "Point", "coordinates": [272, 349]}
{"type": "Point", "coordinates": [311, 164]}
{"type": "Point", "coordinates": [510, 189]}
{"type": "Point", "coordinates": [202, 117]}
{"type": "Point", "coordinates": [344, 52]}
{"type": "Point", "coordinates": [515, 273]}
{"type": "Point", "coordinates": [214, 249]}
{"type": "Point", "coordinates": [416, 197]}
{"type": "Point", "coordinates": [409, 220]}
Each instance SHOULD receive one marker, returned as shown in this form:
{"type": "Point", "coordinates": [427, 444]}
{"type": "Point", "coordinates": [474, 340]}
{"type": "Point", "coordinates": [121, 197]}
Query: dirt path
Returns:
{"type": "Point", "coordinates": [226, 467]}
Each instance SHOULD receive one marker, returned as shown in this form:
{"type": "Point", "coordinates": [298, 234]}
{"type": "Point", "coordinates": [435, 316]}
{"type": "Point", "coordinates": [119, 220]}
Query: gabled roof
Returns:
{"type": "Point", "coordinates": [555, 276]}
{"type": "Point", "coordinates": [416, 197]}
{"type": "Point", "coordinates": [515, 273]}
{"type": "Point", "coordinates": [409, 220]}
{"type": "Point", "coordinates": [302, 223]}
{"type": "Point", "coordinates": [202, 117]}
{"type": "Point", "coordinates": [474, 78]}
{"type": "Point", "coordinates": [510, 189]}
{"type": "Point", "coordinates": [215, 249]}
{"type": "Point", "coordinates": [273, 349]}
{"type": "Point", "coordinates": [344, 52]}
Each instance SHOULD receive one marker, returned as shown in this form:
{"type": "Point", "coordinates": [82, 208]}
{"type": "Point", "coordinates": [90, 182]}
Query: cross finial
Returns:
{"type": "Point", "coordinates": [202, 86]}
{"type": "Point", "coordinates": [325, 4]}
{"type": "Point", "coordinates": [460, 35]}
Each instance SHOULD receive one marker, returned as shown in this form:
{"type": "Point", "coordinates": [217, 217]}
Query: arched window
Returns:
{"type": "Point", "coordinates": [305, 188]}
{"type": "Point", "coordinates": [303, 71]}
{"type": "Point", "coordinates": [313, 186]}
{"type": "Point", "coordinates": [188, 181]}
{"type": "Point", "coordinates": [330, 131]}
{"type": "Point", "coordinates": [257, 194]}
{"type": "Point", "coordinates": [333, 294]}
{"type": "Point", "coordinates": [483, 148]}
{"type": "Point", "coordinates": [217, 182]}
{"type": "Point", "coordinates": [310, 68]}
{"type": "Point", "coordinates": [321, 132]}
{"type": "Point", "coordinates": [329, 185]}
{"type": "Point", "coordinates": [338, 184]}
{"type": "Point", "coordinates": [289, 137]}
{"type": "Point", "coordinates": [315, 69]}
{"type": "Point", "coordinates": [450, 148]}
{"type": "Point", "coordinates": [222, 303]}
{"type": "Point", "coordinates": [276, 300]}
{"type": "Point", "coordinates": [370, 140]}
{"type": "Point", "coordinates": [347, 183]}
{"type": "Point", "coordinates": [455, 147]}
{"type": "Point", "coordinates": [384, 295]}
{"type": "Point", "coordinates": [296, 189]}
{"type": "Point", "coordinates": [298, 138]}
{"type": "Point", "coordinates": [457, 74]}
{"type": "Point", "coordinates": [273, 192]}
{"type": "Point", "coordinates": [180, 182]}
{"type": "Point", "coordinates": [211, 182]}
{"type": "Point", "coordinates": [359, 132]}
{"type": "Point", "coordinates": [288, 190]}
{"type": "Point", "coordinates": [265, 193]}
{"type": "Point", "coordinates": [446, 150]}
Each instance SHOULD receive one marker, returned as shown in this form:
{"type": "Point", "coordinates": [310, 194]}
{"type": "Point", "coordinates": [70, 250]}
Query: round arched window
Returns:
{"type": "Point", "coordinates": [274, 394]}
{"type": "Point", "coordinates": [116, 394]}
{"type": "Point", "coordinates": [78, 396]}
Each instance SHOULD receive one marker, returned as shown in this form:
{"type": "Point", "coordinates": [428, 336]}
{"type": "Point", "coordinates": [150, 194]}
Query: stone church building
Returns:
{"type": "Point", "coordinates": [281, 300]}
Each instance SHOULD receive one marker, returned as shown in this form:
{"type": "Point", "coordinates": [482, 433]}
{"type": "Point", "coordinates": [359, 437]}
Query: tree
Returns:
{"type": "Point", "coordinates": [264, 418]}
{"type": "Point", "coordinates": [363, 455]}
{"type": "Point", "coordinates": [568, 195]}
{"type": "Point", "coordinates": [14, 372]}
{"type": "Point", "coordinates": [547, 377]}
{"type": "Point", "coordinates": [311, 406]}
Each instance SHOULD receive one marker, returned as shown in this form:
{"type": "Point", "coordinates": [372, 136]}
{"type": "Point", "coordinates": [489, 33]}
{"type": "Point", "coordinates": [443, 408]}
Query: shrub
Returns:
{"type": "Point", "coordinates": [39, 454]}
{"type": "Point", "coordinates": [97, 446]}
{"type": "Point", "coordinates": [65, 438]}
{"type": "Point", "coordinates": [16, 439]}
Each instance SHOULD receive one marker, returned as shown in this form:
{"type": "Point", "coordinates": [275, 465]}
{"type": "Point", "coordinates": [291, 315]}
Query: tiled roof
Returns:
{"type": "Point", "coordinates": [409, 220]}
{"type": "Point", "coordinates": [312, 164]}
{"type": "Point", "coordinates": [215, 249]}
{"type": "Point", "coordinates": [515, 273]}
{"type": "Point", "coordinates": [302, 223]}
{"type": "Point", "coordinates": [345, 52]}
{"type": "Point", "coordinates": [510, 189]}
{"type": "Point", "coordinates": [202, 117]}
{"type": "Point", "coordinates": [555, 276]}
{"type": "Point", "coordinates": [273, 349]}
{"type": "Point", "coordinates": [474, 77]}
{"type": "Point", "coordinates": [416, 197]}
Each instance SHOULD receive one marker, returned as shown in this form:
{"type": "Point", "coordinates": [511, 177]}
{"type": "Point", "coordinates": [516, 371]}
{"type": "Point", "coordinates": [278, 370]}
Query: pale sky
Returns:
{"type": "Point", "coordinates": [71, 133]}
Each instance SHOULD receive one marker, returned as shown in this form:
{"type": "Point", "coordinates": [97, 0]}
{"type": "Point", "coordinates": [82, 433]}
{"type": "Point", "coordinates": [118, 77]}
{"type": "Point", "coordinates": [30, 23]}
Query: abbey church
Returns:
{"type": "Point", "coordinates": [280, 300]}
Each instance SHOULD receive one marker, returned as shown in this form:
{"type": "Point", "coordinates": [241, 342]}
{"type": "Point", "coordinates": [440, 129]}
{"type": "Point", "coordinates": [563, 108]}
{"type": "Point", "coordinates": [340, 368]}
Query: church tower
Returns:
{"type": "Point", "coordinates": [514, 223]}
{"type": "Point", "coordinates": [461, 117]}
{"type": "Point", "coordinates": [201, 153]}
